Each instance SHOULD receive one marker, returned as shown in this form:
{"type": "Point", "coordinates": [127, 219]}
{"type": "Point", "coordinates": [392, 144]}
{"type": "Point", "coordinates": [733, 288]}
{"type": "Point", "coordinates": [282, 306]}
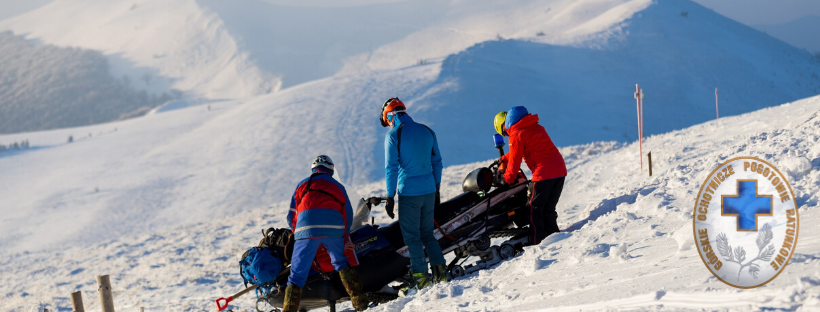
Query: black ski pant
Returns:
{"type": "Point", "coordinates": [543, 217]}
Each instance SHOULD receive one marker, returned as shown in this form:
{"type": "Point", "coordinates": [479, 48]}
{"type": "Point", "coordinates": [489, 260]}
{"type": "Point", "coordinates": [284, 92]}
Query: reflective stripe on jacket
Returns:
{"type": "Point", "coordinates": [323, 210]}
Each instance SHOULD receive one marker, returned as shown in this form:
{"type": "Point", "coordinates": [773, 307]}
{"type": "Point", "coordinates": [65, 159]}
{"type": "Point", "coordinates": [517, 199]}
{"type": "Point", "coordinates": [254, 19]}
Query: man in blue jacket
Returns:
{"type": "Point", "coordinates": [413, 160]}
{"type": "Point", "coordinates": [321, 214]}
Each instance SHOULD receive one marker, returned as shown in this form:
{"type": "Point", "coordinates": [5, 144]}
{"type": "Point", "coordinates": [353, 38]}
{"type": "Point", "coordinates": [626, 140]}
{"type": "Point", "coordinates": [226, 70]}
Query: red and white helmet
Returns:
{"type": "Point", "coordinates": [322, 161]}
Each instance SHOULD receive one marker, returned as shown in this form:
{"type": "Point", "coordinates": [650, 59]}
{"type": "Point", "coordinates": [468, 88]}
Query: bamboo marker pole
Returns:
{"type": "Point", "coordinates": [641, 121]}
{"type": "Point", "coordinates": [77, 302]}
{"type": "Point", "coordinates": [649, 155]}
{"type": "Point", "coordinates": [638, 96]}
{"type": "Point", "coordinates": [106, 299]}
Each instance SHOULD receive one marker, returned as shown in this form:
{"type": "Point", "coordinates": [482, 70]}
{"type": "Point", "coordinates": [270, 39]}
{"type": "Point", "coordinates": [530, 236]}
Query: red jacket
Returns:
{"type": "Point", "coordinates": [530, 141]}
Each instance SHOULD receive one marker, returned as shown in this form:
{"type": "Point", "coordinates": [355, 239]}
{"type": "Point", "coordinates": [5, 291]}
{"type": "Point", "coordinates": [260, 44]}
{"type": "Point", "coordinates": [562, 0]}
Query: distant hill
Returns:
{"type": "Point", "coordinates": [584, 92]}
{"type": "Point", "coordinates": [46, 87]}
{"type": "Point", "coordinates": [803, 33]}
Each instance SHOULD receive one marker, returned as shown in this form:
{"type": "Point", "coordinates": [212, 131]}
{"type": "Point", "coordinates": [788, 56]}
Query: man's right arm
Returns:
{"type": "Point", "coordinates": [436, 161]}
{"type": "Point", "coordinates": [292, 211]}
{"type": "Point", "coordinates": [391, 163]}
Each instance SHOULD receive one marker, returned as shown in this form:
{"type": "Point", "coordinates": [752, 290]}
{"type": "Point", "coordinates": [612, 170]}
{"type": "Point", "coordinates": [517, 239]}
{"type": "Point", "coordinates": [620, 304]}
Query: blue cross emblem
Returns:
{"type": "Point", "coordinates": [746, 205]}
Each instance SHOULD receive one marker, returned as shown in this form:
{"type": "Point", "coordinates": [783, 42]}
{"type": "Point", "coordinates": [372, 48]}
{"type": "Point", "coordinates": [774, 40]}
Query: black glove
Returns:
{"type": "Point", "coordinates": [499, 179]}
{"type": "Point", "coordinates": [438, 197]}
{"type": "Point", "coordinates": [391, 203]}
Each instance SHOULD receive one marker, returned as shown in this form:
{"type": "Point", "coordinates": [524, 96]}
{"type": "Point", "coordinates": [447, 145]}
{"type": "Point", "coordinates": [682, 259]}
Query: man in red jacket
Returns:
{"type": "Point", "coordinates": [321, 216]}
{"type": "Point", "coordinates": [530, 141]}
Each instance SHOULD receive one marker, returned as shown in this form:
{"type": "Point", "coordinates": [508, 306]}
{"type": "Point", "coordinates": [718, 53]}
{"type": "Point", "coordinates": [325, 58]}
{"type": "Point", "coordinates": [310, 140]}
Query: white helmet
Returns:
{"type": "Point", "coordinates": [322, 161]}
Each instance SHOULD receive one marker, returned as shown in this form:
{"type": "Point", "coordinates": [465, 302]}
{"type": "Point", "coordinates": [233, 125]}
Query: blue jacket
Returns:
{"type": "Point", "coordinates": [412, 160]}
{"type": "Point", "coordinates": [322, 210]}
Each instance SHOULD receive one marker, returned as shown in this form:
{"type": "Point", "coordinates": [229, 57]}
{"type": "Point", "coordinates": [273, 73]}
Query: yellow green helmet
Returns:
{"type": "Point", "coordinates": [499, 121]}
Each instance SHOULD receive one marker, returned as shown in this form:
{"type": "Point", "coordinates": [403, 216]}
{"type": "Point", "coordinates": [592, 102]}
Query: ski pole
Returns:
{"type": "Point", "coordinates": [231, 298]}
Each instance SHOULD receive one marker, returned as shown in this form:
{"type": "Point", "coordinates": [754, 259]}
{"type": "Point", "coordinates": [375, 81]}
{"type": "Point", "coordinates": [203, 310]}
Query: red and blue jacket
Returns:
{"type": "Point", "coordinates": [320, 208]}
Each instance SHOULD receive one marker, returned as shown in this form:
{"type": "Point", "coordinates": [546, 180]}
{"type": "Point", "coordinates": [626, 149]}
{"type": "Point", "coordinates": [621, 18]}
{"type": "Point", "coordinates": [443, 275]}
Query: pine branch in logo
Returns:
{"type": "Point", "coordinates": [724, 249]}
{"type": "Point", "coordinates": [765, 251]}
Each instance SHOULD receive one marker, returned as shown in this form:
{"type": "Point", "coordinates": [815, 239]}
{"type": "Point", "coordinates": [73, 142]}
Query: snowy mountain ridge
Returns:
{"type": "Point", "coordinates": [219, 50]}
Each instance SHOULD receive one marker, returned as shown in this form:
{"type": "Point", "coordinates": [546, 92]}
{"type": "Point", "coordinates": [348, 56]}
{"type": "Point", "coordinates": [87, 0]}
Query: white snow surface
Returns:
{"type": "Point", "coordinates": [626, 242]}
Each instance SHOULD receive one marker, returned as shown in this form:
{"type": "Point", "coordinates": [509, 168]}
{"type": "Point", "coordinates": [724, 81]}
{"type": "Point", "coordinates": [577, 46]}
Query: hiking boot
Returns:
{"type": "Point", "coordinates": [353, 285]}
{"type": "Point", "coordinates": [420, 280]}
{"type": "Point", "coordinates": [439, 274]}
{"type": "Point", "coordinates": [293, 294]}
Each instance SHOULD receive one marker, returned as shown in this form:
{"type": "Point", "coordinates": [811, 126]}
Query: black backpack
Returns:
{"type": "Point", "coordinates": [279, 241]}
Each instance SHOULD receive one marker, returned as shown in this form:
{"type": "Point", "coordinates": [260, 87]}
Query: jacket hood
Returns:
{"type": "Point", "coordinates": [525, 121]}
{"type": "Point", "coordinates": [514, 115]}
{"type": "Point", "coordinates": [400, 119]}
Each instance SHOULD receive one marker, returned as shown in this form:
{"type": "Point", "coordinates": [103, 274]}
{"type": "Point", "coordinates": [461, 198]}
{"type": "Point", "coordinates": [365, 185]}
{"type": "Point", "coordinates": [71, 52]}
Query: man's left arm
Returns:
{"type": "Point", "coordinates": [348, 213]}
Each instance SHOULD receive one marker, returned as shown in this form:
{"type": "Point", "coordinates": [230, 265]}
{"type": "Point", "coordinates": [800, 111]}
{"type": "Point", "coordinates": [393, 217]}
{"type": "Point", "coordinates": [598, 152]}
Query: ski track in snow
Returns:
{"type": "Point", "coordinates": [627, 243]}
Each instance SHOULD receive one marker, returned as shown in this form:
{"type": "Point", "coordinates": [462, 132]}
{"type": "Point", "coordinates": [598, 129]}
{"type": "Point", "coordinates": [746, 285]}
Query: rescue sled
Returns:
{"type": "Point", "coordinates": [465, 226]}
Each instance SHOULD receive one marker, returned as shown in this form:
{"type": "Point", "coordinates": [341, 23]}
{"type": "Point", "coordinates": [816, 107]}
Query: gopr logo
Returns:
{"type": "Point", "coordinates": [746, 222]}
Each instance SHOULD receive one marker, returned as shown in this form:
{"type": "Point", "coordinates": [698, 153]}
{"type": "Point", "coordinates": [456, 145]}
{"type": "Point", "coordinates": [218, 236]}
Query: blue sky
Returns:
{"type": "Point", "coordinates": [763, 12]}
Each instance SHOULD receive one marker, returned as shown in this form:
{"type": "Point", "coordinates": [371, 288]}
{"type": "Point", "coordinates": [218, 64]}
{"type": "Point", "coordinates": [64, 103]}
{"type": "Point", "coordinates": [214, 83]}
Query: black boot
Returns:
{"type": "Point", "coordinates": [419, 280]}
{"type": "Point", "coordinates": [439, 274]}
{"type": "Point", "coordinates": [353, 285]}
{"type": "Point", "coordinates": [293, 294]}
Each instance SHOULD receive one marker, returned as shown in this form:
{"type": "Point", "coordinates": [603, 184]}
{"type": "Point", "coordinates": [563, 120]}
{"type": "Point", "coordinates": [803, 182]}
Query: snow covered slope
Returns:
{"type": "Point", "coordinates": [190, 165]}
{"type": "Point", "coordinates": [160, 44]}
{"type": "Point", "coordinates": [238, 49]}
{"type": "Point", "coordinates": [628, 237]}
{"type": "Point", "coordinates": [627, 242]}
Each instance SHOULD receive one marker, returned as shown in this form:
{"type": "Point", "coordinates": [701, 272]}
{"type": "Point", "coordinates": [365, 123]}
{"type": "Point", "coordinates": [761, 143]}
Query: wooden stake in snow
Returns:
{"type": "Point", "coordinates": [639, 103]}
{"type": "Point", "coordinates": [717, 111]}
{"type": "Point", "coordinates": [77, 302]}
{"type": "Point", "coordinates": [106, 299]}
{"type": "Point", "coordinates": [649, 157]}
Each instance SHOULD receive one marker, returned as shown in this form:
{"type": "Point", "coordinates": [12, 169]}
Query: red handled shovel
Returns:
{"type": "Point", "coordinates": [222, 303]}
